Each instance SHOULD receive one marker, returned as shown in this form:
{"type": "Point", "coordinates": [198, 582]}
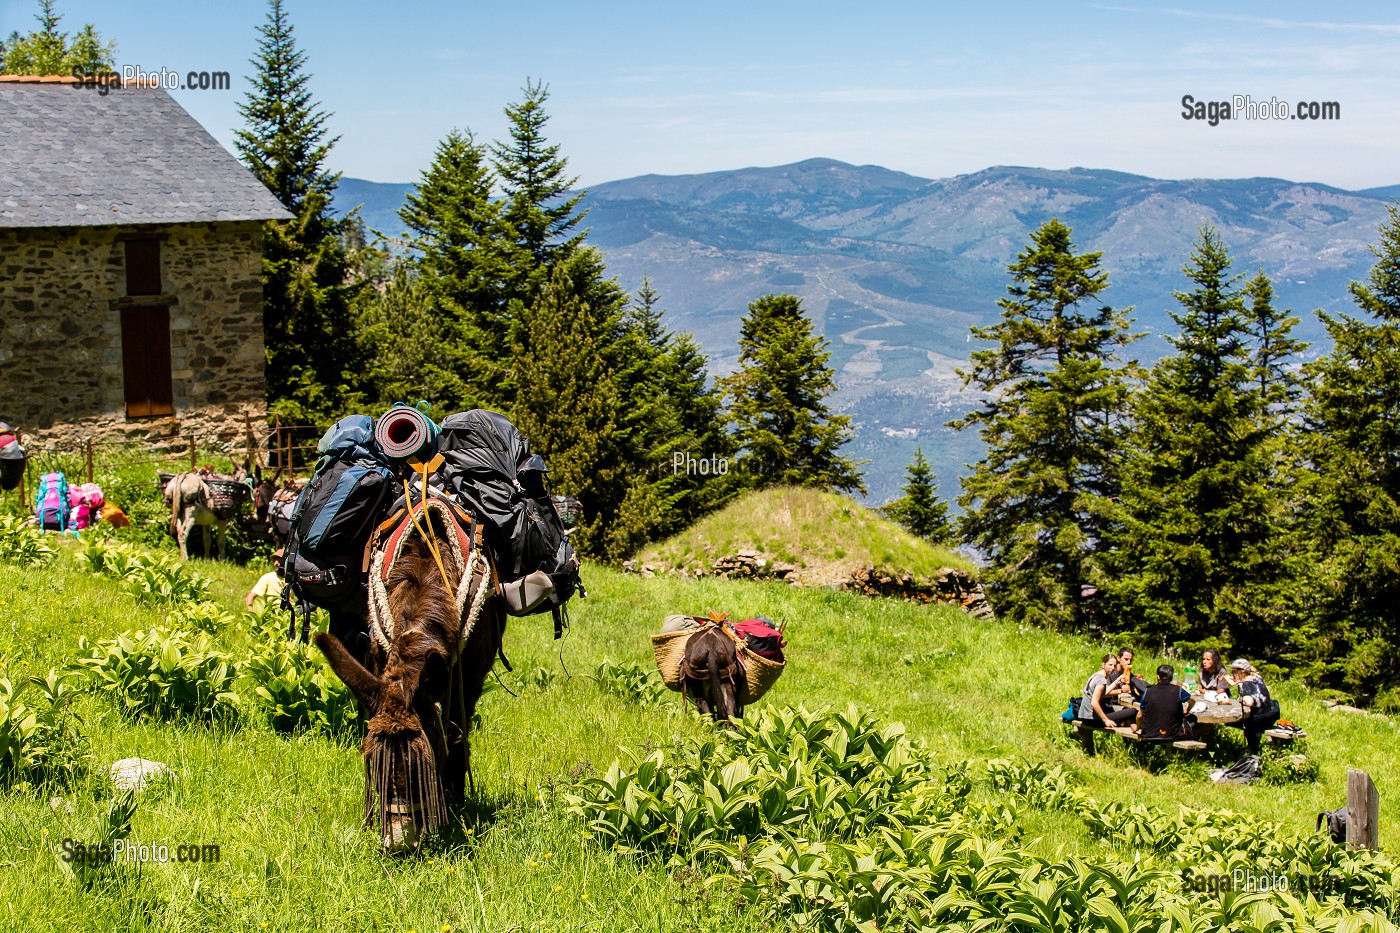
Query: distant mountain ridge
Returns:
{"type": "Point", "coordinates": [895, 268]}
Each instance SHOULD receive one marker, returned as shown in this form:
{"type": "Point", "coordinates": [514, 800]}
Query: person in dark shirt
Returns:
{"type": "Point", "coordinates": [1162, 717]}
{"type": "Point", "coordinates": [1260, 710]}
{"type": "Point", "coordinates": [1213, 678]}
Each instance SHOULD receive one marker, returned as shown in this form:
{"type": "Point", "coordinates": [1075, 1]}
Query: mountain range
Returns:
{"type": "Point", "coordinates": [894, 268]}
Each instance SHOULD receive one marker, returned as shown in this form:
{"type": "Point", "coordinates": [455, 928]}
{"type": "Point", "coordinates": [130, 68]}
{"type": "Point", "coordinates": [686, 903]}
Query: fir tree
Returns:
{"type": "Point", "coordinates": [785, 432]}
{"type": "Point", "coordinates": [669, 409]}
{"type": "Point", "coordinates": [1200, 516]}
{"type": "Point", "coordinates": [535, 179]}
{"type": "Point", "coordinates": [314, 358]}
{"type": "Point", "coordinates": [1040, 503]}
{"type": "Point", "coordinates": [1274, 347]}
{"type": "Point", "coordinates": [1354, 412]}
{"type": "Point", "coordinates": [570, 403]}
{"type": "Point", "coordinates": [464, 263]}
{"type": "Point", "coordinates": [48, 51]}
{"type": "Point", "coordinates": [919, 509]}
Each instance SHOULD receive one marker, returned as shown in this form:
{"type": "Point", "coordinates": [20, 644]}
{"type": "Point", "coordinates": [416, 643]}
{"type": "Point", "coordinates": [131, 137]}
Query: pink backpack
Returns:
{"type": "Point", "coordinates": [51, 503]}
{"type": "Point", "coordinates": [87, 501]}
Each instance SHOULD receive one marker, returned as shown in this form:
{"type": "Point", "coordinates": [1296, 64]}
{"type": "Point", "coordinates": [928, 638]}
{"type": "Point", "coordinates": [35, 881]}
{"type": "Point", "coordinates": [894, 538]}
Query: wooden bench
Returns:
{"type": "Point", "coordinates": [1280, 737]}
{"type": "Point", "coordinates": [1084, 732]}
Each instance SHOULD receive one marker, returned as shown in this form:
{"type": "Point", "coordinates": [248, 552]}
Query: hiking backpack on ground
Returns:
{"type": "Point", "coordinates": [51, 506]}
{"type": "Point", "coordinates": [488, 467]}
{"type": "Point", "coordinates": [331, 523]}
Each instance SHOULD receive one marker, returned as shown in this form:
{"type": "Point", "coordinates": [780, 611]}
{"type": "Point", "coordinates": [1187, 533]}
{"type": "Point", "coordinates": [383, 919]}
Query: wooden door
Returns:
{"type": "Point", "coordinates": [146, 362]}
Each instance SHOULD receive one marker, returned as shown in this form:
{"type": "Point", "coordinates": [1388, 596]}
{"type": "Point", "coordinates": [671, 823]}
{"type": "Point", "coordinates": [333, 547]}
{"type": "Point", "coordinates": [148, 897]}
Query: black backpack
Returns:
{"type": "Point", "coordinates": [331, 523]}
{"type": "Point", "coordinates": [488, 467]}
{"type": "Point", "coordinates": [1336, 821]}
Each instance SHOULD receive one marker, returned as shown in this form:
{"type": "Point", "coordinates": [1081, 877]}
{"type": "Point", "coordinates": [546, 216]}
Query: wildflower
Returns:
{"type": "Point", "coordinates": [446, 928]}
{"type": "Point", "coordinates": [549, 855]}
{"type": "Point", "coordinates": [534, 864]}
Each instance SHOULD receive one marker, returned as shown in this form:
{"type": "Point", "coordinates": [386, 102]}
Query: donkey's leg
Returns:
{"type": "Point", "coordinates": [221, 530]}
{"type": "Point", "coordinates": [477, 658]}
{"type": "Point", "coordinates": [184, 530]}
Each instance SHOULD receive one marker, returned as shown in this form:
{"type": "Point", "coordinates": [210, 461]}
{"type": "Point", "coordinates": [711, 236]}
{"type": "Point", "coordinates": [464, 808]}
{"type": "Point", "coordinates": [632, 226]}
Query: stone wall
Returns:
{"type": "Point", "coordinates": [60, 329]}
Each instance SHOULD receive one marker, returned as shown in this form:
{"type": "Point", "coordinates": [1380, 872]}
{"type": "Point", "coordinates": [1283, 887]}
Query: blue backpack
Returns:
{"type": "Point", "coordinates": [347, 497]}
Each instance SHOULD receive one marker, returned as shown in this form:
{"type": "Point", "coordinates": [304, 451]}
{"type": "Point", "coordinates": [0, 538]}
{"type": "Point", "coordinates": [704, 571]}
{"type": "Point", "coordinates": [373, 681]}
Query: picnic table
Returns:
{"type": "Point", "coordinates": [1214, 714]}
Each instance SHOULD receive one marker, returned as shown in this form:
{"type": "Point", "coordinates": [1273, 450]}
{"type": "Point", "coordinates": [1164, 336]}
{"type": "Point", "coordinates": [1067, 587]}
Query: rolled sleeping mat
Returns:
{"type": "Point", "coordinates": [406, 433]}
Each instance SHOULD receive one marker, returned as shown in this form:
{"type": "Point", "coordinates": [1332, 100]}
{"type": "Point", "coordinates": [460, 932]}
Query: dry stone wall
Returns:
{"type": "Point", "coordinates": [60, 329]}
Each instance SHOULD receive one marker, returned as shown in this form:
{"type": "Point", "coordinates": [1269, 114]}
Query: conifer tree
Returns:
{"type": "Point", "coordinates": [1354, 412]}
{"type": "Point", "coordinates": [464, 262]}
{"type": "Point", "coordinates": [535, 179]}
{"type": "Point", "coordinates": [783, 428]}
{"type": "Point", "coordinates": [570, 404]}
{"type": "Point", "coordinates": [1040, 503]}
{"type": "Point", "coordinates": [919, 509]}
{"type": "Point", "coordinates": [1274, 346]}
{"type": "Point", "coordinates": [669, 409]}
{"type": "Point", "coordinates": [48, 51]}
{"type": "Point", "coordinates": [1199, 513]}
{"type": "Point", "coordinates": [314, 356]}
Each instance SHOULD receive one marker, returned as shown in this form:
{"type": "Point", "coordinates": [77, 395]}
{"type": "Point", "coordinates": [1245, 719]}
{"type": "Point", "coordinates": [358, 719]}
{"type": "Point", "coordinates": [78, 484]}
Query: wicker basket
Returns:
{"type": "Point", "coordinates": [226, 495]}
{"type": "Point", "coordinates": [669, 649]}
{"type": "Point", "coordinates": [760, 674]}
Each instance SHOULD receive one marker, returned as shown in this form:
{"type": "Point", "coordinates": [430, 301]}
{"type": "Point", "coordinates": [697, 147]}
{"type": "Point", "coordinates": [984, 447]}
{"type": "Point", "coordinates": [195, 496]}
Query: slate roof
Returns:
{"type": "Point", "coordinates": [71, 157]}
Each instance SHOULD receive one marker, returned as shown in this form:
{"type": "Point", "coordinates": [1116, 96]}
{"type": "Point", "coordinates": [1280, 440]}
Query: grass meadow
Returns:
{"type": "Point", "coordinates": [285, 810]}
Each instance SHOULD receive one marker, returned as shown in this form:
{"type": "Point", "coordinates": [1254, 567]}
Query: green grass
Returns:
{"type": "Point", "coordinates": [285, 810]}
{"type": "Point", "coordinates": [824, 534]}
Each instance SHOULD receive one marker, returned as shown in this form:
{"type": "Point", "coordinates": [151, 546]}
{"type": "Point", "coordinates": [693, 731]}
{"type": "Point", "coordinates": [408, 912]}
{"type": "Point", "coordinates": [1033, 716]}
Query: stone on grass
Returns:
{"type": "Point", "coordinates": [136, 773]}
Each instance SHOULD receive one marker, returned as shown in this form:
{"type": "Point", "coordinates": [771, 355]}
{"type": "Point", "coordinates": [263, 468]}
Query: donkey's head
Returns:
{"type": "Point", "coordinates": [406, 746]}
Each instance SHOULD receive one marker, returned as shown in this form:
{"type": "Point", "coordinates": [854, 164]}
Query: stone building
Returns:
{"type": "Point", "coordinates": [130, 266]}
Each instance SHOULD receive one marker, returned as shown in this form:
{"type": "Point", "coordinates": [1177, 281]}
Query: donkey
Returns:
{"type": "Point", "coordinates": [709, 670]}
{"type": "Point", "coordinates": [424, 675]}
{"type": "Point", "coordinates": [191, 505]}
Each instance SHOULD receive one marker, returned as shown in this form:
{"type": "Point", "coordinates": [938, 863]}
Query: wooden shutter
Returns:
{"type": "Point", "coordinates": [146, 362]}
{"type": "Point", "coordinates": [143, 267]}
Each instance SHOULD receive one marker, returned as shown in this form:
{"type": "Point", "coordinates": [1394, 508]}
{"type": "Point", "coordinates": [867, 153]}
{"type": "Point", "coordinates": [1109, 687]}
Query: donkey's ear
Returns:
{"type": "Point", "coordinates": [361, 682]}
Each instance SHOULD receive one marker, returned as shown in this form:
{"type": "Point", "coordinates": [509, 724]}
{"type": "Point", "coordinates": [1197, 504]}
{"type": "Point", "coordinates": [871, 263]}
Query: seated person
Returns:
{"type": "Point", "coordinates": [1095, 705]}
{"type": "Point", "coordinates": [268, 589]}
{"type": "Point", "coordinates": [1260, 710]}
{"type": "Point", "coordinates": [1127, 682]}
{"type": "Point", "coordinates": [1163, 717]}
{"type": "Point", "coordinates": [1213, 677]}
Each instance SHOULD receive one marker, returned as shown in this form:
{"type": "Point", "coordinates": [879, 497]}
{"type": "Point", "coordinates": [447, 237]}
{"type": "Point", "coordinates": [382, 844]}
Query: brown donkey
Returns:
{"type": "Point", "coordinates": [434, 643]}
{"type": "Point", "coordinates": [709, 672]}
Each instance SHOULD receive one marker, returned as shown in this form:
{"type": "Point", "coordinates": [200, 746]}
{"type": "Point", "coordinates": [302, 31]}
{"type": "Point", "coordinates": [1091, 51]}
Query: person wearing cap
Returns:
{"type": "Point", "coordinates": [1261, 711]}
{"type": "Point", "coordinates": [269, 586]}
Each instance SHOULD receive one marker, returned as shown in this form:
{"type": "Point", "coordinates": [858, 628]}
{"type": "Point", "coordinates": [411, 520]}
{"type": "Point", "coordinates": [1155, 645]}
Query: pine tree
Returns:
{"type": "Point", "coordinates": [535, 179]}
{"type": "Point", "coordinates": [1274, 348]}
{"type": "Point", "coordinates": [919, 509]}
{"type": "Point", "coordinates": [1040, 503]}
{"type": "Point", "coordinates": [669, 409]}
{"type": "Point", "coordinates": [1200, 526]}
{"type": "Point", "coordinates": [1354, 412]}
{"type": "Point", "coordinates": [785, 432]}
{"type": "Point", "coordinates": [465, 261]}
{"type": "Point", "coordinates": [569, 403]}
{"type": "Point", "coordinates": [314, 358]}
{"type": "Point", "coordinates": [48, 51]}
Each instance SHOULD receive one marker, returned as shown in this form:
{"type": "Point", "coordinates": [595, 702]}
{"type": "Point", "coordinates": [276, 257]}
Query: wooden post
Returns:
{"type": "Point", "coordinates": [194, 454]}
{"type": "Point", "coordinates": [87, 450]}
{"type": "Point", "coordinates": [1363, 811]}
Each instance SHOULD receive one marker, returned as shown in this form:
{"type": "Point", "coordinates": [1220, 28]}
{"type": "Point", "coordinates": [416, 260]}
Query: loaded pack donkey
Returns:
{"type": "Point", "coordinates": [435, 632]}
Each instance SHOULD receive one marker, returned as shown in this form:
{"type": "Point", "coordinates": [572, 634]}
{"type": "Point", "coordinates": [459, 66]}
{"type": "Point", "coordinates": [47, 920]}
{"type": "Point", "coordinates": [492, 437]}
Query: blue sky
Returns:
{"type": "Point", "coordinates": [930, 89]}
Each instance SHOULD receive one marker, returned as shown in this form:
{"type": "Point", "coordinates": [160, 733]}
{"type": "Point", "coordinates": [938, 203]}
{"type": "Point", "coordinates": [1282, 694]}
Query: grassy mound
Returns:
{"type": "Point", "coordinates": [823, 534]}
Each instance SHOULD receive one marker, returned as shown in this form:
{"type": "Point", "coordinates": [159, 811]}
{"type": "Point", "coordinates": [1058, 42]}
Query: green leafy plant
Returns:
{"type": "Point", "coordinates": [298, 690]}
{"type": "Point", "coordinates": [23, 544]}
{"type": "Point", "coordinates": [632, 682]}
{"type": "Point", "coordinates": [151, 580]}
{"type": "Point", "coordinates": [40, 742]}
{"type": "Point", "coordinates": [162, 674]}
